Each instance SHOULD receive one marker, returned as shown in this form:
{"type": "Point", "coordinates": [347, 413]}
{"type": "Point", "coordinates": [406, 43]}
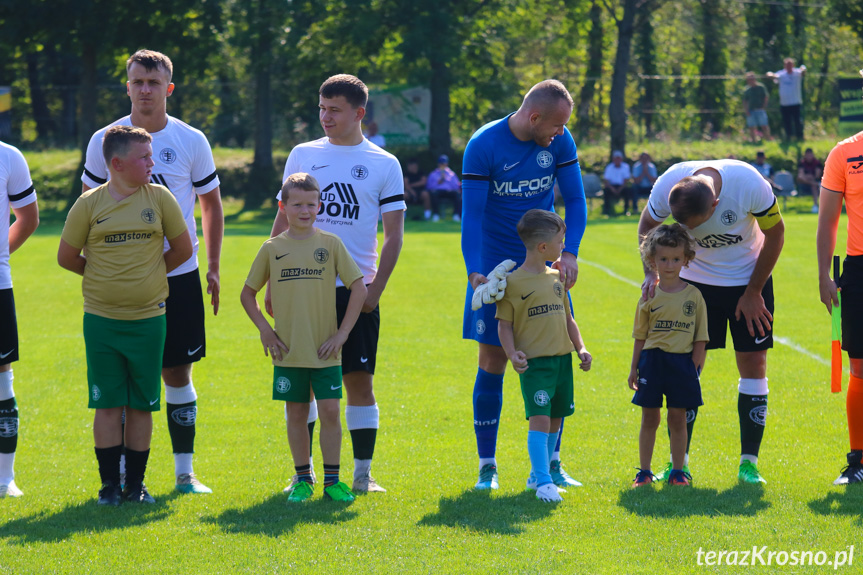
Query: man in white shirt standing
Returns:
{"type": "Point", "coordinates": [616, 179]}
{"type": "Point", "coordinates": [790, 80]}
{"type": "Point", "coordinates": [16, 193]}
{"type": "Point", "coordinates": [359, 182]}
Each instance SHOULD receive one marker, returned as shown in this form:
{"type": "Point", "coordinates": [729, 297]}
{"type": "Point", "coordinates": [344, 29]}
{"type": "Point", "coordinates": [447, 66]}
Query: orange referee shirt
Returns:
{"type": "Point", "coordinates": [843, 173]}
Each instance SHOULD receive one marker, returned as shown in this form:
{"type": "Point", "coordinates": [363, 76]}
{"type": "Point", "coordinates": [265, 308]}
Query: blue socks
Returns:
{"type": "Point", "coordinates": [487, 404]}
{"type": "Point", "coordinates": [538, 449]}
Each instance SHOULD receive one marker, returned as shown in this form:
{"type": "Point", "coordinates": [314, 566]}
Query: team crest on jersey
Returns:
{"type": "Point", "coordinates": [283, 385]}
{"type": "Point", "coordinates": [541, 398]}
{"type": "Point", "coordinates": [689, 308]}
{"type": "Point", "coordinates": [759, 415]}
{"type": "Point", "coordinates": [544, 159]}
{"type": "Point", "coordinates": [168, 156]}
{"type": "Point", "coordinates": [185, 416]}
{"type": "Point", "coordinates": [558, 289]}
{"type": "Point", "coordinates": [360, 172]}
{"type": "Point", "coordinates": [8, 426]}
{"type": "Point", "coordinates": [728, 217]}
{"type": "Point", "coordinates": [96, 393]}
{"type": "Point", "coordinates": [148, 215]}
{"type": "Point", "coordinates": [321, 255]}
{"type": "Point", "coordinates": [480, 327]}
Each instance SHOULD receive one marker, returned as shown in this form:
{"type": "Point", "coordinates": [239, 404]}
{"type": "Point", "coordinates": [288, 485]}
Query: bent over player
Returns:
{"type": "Point", "coordinates": [843, 180]}
{"type": "Point", "coordinates": [732, 214]}
{"type": "Point", "coordinates": [17, 193]}
{"type": "Point", "coordinates": [510, 167]}
{"type": "Point", "coordinates": [184, 165]}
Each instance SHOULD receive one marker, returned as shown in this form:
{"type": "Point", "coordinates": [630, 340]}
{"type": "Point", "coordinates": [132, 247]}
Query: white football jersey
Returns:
{"type": "Point", "coordinates": [184, 165]}
{"type": "Point", "coordinates": [16, 191]}
{"type": "Point", "coordinates": [728, 244]}
{"type": "Point", "coordinates": [358, 183]}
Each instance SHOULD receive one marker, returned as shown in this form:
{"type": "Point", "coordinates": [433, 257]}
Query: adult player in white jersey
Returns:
{"type": "Point", "coordinates": [359, 182]}
{"type": "Point", "coordinates": [17, 193]}
{"type": "Point", "coordinates": [184, 164]}
{"type": "Point", "coordinates": [733, 215]}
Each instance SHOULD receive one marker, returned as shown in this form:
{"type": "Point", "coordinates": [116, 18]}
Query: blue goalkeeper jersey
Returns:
{"type": "Point", "coordinates": [504, 177]}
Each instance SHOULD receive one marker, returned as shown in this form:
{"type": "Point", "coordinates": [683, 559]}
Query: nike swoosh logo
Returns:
{"type": "Point", "coordinates": [155, 401]}
{"type": "Point", "coordinates": [335, 387]}
{"type": "Point", "coordinates": [102, 220]}
{"type": "Point", "coordinates": [507, 167]}
{"type": "Point", "coordinates": [283, 255]}
{"type": "Point", "coordinates": [572, 406]}
{"type": "Point", "coordinates": [319, 167]}
{"type": "Point", "coordinates": [524, 297]}
{"type": "Point", "coordinates": [363, 359]}
{"type": "Point", "coordinates": [192, 352]}
{"type": "Point", "coordinates": [7, 354]}
{"type": "Point", "coordinates": [761, 339]}
{"type": "Point", "coordinates": [653, 309]}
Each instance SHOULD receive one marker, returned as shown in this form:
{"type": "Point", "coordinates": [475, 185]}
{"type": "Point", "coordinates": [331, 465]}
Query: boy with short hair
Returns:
{"type": "Point", "coordinates": [301, 265]}
{"type": "Point", "coordinates": [670, 347]}
{"type": "Point", "coordinates": [538, 334]}
{"type": "Point", "coordinates": [123, 225]}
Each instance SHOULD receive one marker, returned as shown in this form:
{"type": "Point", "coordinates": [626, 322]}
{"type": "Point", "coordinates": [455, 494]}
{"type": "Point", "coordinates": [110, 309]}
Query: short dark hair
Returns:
{"type": "Point", "coordinates": [151, 60]}
{"type": "Point", "coordinates": [117, 139]}
{"type": "Point", "coordinates": [300, 181]}
{"type": "Point", "coordinates": [537, 226]}
{"type": "Point", "coordinates": [547, 94]}
{"type": "Point", "coordinates": [670, 236]}
{"type": "Point", "coordinates": [351, 87]}
{"type": "Point", "coordinates": [692, 196]}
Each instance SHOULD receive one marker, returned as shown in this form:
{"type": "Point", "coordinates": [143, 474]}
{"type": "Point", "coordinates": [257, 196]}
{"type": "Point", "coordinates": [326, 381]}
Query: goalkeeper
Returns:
{"type": "Point", "coordinates": [510, 166]}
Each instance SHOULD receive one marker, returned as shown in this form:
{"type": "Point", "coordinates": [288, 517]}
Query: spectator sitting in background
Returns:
{"type": "Point", "coordinates": [765, 169]}
{"type": "Point", "coordinates": [415, 187]}
{"type": "Point", "coordinates": [809, 172]}
{"type": "Point", "coordinates": [373, 136]}
{"type": "Point", "coordinates": [643, 174]}
{"type": "Point", "coordinates": [443, 183]}
{"type": "Point", "coordinates": [615, 180]}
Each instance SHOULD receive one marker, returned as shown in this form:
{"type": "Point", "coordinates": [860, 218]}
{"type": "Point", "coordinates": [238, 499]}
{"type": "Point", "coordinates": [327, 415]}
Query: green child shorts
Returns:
{"type": "Point", "coordinates": [295, 384]}
{"type": "Point", "coordinates": [124, 361]}
{"type": "Point", "coordinates": [547, 386]}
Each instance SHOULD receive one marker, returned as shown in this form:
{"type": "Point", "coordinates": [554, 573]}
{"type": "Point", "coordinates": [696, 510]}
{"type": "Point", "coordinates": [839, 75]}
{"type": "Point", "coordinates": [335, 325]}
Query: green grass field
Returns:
{"type": "Point", "coordinates": [430, 521]}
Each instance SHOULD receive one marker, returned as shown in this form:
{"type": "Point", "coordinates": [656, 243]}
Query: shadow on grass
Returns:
{"type": "Point", "coordinates": [276, 516]}
{"type": "Point", "coordinates": [88, 517]}
{"type": "Point", "coordinates": [480, 511]}
{"type": "Point", "coordinates": [741, 500]}
{"type": "Point", "coordinates": [848, 502]}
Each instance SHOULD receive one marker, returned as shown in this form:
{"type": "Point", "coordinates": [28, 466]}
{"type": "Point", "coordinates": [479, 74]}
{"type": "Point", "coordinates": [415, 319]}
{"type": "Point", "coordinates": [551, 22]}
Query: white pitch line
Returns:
{"type": "Point", "coordinates": [782, 340]}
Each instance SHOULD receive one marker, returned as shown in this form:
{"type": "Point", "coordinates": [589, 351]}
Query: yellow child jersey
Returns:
{"type": "Point", "coordinates": [672, 322]}
{"type": "Point", "coordinates": [537, 306]}
{"type": "Point", "coordinates": [843, 173]}
{"type": "Point", "coordinates": [125, 276]}
{"type": "Point", "coordinates": [302, 276]}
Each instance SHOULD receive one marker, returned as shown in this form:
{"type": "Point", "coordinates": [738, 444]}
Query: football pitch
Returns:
{"type": "Point", "coordinates": [431, 521]}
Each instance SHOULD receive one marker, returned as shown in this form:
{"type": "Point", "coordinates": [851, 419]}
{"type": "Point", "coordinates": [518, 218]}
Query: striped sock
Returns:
{"type": "Point", "coordinates": [304, 473]}
{"type": "Point", "coordinates": [331, 474]}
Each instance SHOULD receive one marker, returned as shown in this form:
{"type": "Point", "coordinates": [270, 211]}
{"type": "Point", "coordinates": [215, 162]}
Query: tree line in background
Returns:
{"type": "Point", "coordinates": [247, 72]}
